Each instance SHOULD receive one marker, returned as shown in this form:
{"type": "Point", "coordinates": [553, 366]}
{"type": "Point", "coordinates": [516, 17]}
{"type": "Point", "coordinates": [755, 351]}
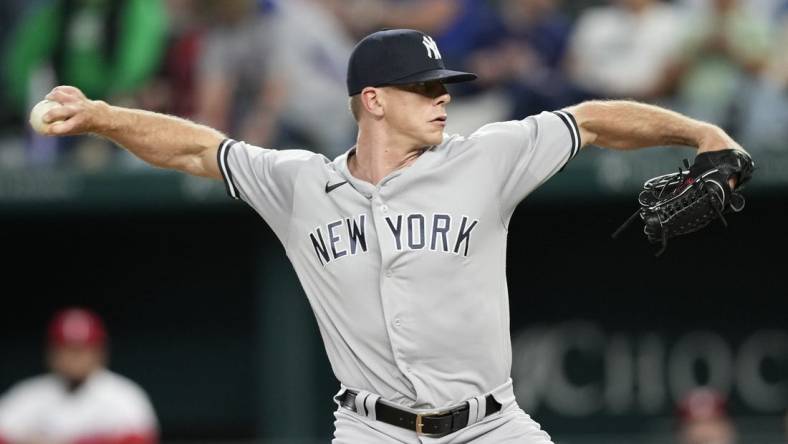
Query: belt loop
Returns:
{"type": "Point", "coordinates": [473, 410]}
{"type": "Point", "coordinates": [365, 404]}
{"type": "Point", "coordinates": [370, 402]}
{"type": "Point", "coordinates": [481, 411]}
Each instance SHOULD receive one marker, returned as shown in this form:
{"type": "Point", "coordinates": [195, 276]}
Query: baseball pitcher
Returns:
{"type": "Point", "coordinates": [400, 243]}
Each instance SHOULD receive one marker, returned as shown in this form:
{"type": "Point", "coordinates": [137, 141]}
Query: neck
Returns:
{"type": "Point", "coordinates": [73, 384]}
{"type": "Point", "coordinates": [379, 153]}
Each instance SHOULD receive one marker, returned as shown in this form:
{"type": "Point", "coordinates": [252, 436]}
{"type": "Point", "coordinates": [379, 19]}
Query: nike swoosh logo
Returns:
{"type": "Point", "coordinates": [330, 188]}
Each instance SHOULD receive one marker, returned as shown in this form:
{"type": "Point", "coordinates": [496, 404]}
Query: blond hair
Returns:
{"type": "Point", "coordinates": [355, 106]}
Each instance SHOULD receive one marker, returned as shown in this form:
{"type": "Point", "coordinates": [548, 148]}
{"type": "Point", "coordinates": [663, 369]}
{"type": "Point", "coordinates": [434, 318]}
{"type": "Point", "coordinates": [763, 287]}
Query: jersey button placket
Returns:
{"type": "Point", "coordinates": [389, 300]}
{"type": "Point", "coordinates": [381, 204]}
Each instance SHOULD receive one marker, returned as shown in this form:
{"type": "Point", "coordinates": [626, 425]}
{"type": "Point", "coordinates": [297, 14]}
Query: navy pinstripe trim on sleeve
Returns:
{"type": "Point", "coordinates": [571, 125]}
{"type": "Point", "coordinates": [227, 175]}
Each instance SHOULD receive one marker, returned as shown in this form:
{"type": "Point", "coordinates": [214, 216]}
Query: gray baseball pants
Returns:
{"type": "Point", "coordinates": [510, 425]}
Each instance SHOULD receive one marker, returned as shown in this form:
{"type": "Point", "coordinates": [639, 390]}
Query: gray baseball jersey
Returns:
{"type": "Point", "coordinates": [407, 278]}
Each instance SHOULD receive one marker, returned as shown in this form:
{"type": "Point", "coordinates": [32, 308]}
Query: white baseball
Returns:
{"type": "Point", "coordinates": [37, 115]}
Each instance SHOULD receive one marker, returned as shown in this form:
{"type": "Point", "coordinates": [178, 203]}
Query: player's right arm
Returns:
{"type": "Point", "coordinates": [158, 139]}
{"type": "Point", "coordinates": [263, 178]}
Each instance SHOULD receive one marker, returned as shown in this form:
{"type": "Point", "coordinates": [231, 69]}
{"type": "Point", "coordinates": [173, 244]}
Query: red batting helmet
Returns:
{"type": "Point", "coordinates": [77, 326]}
{"type": "Point", "coordinates": [702, 404]}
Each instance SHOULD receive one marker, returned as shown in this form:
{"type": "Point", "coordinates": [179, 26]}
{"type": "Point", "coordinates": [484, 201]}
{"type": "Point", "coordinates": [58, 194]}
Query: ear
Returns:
{"type": "Point", "coordinates": [373, 101]}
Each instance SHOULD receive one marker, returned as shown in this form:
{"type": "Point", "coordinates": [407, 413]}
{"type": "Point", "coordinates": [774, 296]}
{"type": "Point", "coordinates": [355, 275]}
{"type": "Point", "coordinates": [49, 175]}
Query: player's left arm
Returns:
{"type": "Point", "coordinates": [626, 125]}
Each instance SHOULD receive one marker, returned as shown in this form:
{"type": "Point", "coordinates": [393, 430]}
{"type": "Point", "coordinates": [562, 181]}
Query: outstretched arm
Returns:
{"type": "Point", "coordinates": [158, 139]}
{"type": "Point", "coordinates": [624, 125]}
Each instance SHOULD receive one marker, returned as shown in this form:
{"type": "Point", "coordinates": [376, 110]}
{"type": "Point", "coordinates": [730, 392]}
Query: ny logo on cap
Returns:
{"type": "Point", "coordinates": [432, 47]}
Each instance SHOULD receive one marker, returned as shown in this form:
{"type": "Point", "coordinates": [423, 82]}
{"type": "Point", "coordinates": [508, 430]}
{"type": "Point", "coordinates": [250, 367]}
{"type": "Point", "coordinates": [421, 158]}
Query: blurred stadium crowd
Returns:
{"type": "Point", "coordinates": [272, 72]}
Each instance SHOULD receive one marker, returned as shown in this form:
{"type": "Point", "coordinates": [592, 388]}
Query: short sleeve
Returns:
{"type": "Point", "coordinates": [525, 153]}
{"type": "Point", "coordinates": [263, 178]}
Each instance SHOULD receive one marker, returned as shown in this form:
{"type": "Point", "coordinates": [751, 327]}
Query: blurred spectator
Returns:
{"type": "Point", "coordinates": [777, 72]}
{"type": "Point", "coordinates": [703, 419]}
{"type": "Point", "coordinates": [527, 58]}
{"type": "Point", "coordinates": [430, 16]}
{"type": "Point", "coordinates": [765, 109]}
{"type": "Point", "coordinates": [173, 88]}
{"type": "Point", "coordinates": [80, 402]}
{"type": "Point", "coordinates": [10, 11]}
{"type": "Point", "coordinates": [764, 10]}
{"type": "Point", "coordinates": [236, 90]}
{"type": "Point", "coordinates": [311, 62]}
{"type": "Point", "coordinates": [623, 49]}
{"type": "Point", "coordinates": [107, 48]}
{"type": "Point", "coordinates": [723, 53]}
{"type": "Point", "coordinates": [104, 47]}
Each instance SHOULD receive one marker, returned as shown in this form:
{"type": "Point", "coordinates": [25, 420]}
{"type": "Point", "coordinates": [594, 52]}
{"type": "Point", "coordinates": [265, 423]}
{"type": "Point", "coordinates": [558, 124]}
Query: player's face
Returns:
{"type": "Point", "coordinates": [418, 111]}
{"type": "Point", "coordinates": [75, 362]}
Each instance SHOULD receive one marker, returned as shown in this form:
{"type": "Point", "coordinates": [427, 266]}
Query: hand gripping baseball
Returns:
{"type": "Point", "coordinates": [680, 203]}
{"type": "Point", "coordinates": [75, 114]}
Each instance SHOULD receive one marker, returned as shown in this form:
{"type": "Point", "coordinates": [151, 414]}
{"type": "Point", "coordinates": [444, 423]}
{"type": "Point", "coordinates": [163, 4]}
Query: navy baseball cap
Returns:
{"type": "Point", "coordinates": [398, 57]}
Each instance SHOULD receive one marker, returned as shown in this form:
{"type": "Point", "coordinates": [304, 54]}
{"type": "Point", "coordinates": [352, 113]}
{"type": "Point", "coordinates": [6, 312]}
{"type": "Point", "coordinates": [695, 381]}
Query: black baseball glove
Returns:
{"type": "Point", "coordinates": [680, 203]}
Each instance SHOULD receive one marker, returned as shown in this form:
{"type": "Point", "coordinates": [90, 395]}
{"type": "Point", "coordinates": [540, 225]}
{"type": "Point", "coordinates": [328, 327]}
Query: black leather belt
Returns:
{"type": "Point", "coordinates": [431, 424]}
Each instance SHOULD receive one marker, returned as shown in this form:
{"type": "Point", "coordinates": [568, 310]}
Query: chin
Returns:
{"type": "Point", "coordinates": [435, 139]}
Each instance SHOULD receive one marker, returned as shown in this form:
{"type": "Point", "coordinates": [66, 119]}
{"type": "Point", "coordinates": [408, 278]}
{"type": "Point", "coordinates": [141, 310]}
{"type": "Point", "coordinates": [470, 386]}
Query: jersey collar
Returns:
{"type": "Point", "coordinates": [368, 189]}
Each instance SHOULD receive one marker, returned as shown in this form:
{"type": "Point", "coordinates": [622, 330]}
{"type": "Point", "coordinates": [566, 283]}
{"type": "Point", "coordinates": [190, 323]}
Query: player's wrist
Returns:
{"type": "Point", "coordinates": [104, 117]}
{"type": "Point", "coordinates": [713, 138]}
